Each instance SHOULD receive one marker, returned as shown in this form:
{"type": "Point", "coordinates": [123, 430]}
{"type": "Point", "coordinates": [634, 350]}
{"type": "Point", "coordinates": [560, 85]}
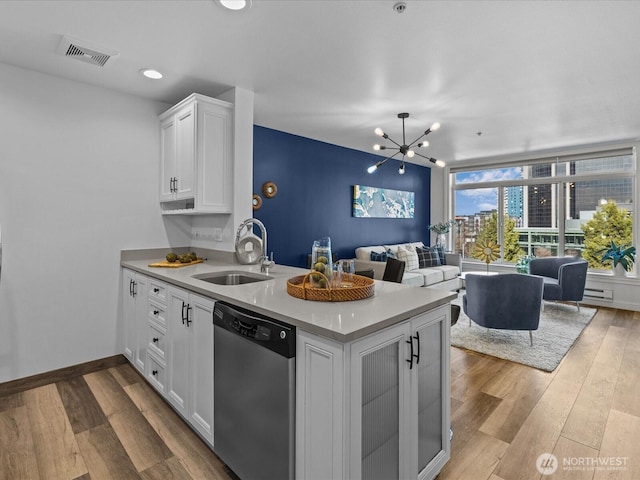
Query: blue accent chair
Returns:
{"type": "Point", "coordinates": [564, 277]}
{"type": "Point", "coordinates": [509, 302]}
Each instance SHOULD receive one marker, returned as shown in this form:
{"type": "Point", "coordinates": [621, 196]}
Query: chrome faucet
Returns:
{"type": "Point", "coordinates": [265, 263]}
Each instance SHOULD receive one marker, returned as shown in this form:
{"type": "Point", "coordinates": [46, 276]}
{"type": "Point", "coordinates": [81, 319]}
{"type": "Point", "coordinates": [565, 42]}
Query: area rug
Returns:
{"type": "Point", "coordinates": [560, 326]}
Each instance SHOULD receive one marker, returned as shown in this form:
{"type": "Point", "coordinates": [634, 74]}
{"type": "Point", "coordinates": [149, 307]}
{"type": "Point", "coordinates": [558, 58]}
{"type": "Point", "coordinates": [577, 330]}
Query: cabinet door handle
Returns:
{"type": "Point", "coordinates": [156, 290]}
{"type": "Point", "coordinates": [156, 312]}
{"type": "Point", "coordinates": [417, 357]}
{"type": "Point", "coordinates": [135, 291]}
{"type": "Point", "coordinates": [411, 355]}
{"type": "Point", "coordinates": [154, 373]}
{"type": "Point", "coordinates": [155, 339]}
{"type": "Point", "coordinates": [184, 305]}
{"type": "Point", "coordinates": [130, 288]}
{"type": "Point", "coordinates": [188, 314]}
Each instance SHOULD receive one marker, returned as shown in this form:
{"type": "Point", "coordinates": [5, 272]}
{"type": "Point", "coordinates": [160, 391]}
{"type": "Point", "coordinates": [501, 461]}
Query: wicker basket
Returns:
{"type": "Point", "coordinates": [354, 287]}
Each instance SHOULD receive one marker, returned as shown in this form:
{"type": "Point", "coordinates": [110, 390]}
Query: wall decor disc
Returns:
{"type": "Point", "coordinates": [269, 189]}
{"type": "Point", "coordinates": [256, 201]}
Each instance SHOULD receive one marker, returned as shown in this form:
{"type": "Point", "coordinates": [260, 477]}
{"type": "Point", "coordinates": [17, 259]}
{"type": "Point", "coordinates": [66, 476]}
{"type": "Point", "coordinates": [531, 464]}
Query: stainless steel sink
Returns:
{"type": "Point", "coordinates": [231, 277]}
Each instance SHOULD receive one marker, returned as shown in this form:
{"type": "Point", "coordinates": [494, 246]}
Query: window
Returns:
{"type": "Point", "coordinates": [573, 204]}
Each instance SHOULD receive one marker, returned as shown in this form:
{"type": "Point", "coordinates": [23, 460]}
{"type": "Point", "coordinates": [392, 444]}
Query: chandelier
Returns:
{"type": "Point", "coordinates": [405, 149]}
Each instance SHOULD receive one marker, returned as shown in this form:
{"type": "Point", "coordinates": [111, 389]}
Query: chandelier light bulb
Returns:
{"type": "Point", "coordinates": [376, 147]}
{"type": "Point", "coordinates": [372, 168]}
{"type": "Point", "coordinates": [434, 127]}
{"type": "Point", "coordinates": [423, 144]}
{"type": "Point", "coordinates": [440, 163]}
{"type": "Point", "coordinates": [401, 169]}
{"type": "Point", "coordinates": [410, 153]}
{"type": "Point", "coordinates": [378, 131]}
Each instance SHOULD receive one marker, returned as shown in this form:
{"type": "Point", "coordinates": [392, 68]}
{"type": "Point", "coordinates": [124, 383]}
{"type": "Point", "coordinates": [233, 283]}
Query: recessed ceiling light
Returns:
{"type": "Point", "coordinates": [151, 73]}
{"type": "Point", "coordinates": [235, 5]}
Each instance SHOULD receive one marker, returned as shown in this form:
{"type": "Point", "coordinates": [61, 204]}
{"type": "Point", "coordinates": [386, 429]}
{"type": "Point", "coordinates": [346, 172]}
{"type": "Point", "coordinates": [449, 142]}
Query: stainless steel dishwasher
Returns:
{"type": "Point", "coordinates": [254, 393]}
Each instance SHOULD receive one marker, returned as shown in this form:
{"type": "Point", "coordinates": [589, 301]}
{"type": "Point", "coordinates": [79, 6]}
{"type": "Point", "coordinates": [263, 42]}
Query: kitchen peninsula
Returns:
{"type": "Point", "coordinates": [371, 380]}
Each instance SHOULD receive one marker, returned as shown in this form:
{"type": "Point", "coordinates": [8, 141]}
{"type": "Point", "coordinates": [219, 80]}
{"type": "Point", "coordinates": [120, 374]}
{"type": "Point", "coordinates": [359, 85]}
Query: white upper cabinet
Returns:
{"type": "Point", "coordinates": [196, 166]}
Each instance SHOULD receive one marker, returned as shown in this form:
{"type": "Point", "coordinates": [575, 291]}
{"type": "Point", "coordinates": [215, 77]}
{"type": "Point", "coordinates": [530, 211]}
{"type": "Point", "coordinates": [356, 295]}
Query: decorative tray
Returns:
{"type": "Point", "coordinates": [166, 264]}
{"type": "Point", "coordinates": [353, 287]}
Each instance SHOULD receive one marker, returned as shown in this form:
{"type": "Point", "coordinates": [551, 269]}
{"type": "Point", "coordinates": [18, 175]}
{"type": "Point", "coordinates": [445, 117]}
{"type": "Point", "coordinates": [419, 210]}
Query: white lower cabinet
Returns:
{"type": "Point", "coordinates": [134, 316]}
{"type": "Point", "coordinates": [384, 402]}
{"type": "Point", "coordinates": [189, 358]}
{"type": "Point", "coordinates": [168, 337]}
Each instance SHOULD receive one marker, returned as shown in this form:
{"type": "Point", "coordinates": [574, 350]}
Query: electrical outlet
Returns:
{"type": "Point", "coordinates": [217, 234]}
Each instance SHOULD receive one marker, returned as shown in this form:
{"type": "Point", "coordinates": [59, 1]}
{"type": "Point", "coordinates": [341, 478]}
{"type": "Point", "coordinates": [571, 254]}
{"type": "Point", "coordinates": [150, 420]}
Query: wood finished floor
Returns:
{"type": "Point", "coordinates": [111, 425]}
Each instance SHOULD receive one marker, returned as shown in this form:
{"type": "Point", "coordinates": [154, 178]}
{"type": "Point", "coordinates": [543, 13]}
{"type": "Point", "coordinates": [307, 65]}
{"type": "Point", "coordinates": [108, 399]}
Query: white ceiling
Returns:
{"type": "Point", "coordinates": [529, 75]}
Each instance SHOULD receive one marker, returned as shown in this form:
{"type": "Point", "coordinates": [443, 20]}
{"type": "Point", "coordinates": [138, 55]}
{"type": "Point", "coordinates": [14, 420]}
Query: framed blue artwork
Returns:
{"type": "Point", "coordinates": [382, 202]}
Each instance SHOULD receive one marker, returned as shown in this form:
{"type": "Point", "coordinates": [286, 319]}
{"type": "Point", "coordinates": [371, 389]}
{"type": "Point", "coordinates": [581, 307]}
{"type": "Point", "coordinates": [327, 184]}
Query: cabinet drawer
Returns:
{"type": "Point", "coordinates": [158, 312]}
{"type": "Point", "coordinates": [156, 339]}
{"type": "Point", "coordinates": [158, 291]}
{"type": "Point", "coordinates": [156, 373]}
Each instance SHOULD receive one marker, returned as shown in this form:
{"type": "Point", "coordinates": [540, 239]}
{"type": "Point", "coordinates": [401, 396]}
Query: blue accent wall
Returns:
{"type": "Point", "coordinates": [315, 188]}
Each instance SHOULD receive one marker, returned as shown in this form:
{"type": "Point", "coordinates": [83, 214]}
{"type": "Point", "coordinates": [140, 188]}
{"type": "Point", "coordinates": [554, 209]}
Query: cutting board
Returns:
{"type": "Point", "coordinates": [166, 264]}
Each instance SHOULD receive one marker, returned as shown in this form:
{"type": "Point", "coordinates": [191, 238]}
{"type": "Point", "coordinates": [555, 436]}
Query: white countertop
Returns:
{"type": "Point", "coordinates": [341, 321]}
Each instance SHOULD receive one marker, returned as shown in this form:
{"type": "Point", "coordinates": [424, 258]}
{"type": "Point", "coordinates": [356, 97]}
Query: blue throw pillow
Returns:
{"type": "Point", "coordinates": [379, 257]}
{"type": "Point", "coordinates": [441, 255]}
{"type": "Point", "coordinates": [391, 254]}
{"type": "Point", "coordinates": [427, 258]}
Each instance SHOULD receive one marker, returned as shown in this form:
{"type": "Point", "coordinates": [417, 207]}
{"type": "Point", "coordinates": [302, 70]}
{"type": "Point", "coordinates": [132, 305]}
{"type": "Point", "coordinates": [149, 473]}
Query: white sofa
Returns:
{"type": "Point", "coordinates": [444, 277]}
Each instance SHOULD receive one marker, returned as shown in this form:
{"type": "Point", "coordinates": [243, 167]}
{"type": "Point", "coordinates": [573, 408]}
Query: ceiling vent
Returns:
{"type": "Point", "coordinates": [70, 47]}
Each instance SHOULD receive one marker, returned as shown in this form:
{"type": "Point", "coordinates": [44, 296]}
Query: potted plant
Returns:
{"type": "Point", "coordinates": [623, 255]}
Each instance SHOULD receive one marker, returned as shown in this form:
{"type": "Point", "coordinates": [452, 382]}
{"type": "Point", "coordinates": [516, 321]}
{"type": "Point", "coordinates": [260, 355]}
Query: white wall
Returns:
{"type": "Point", "coordinates": [78, 183]}
{"type": "Point", "coordinates": [439, 198]}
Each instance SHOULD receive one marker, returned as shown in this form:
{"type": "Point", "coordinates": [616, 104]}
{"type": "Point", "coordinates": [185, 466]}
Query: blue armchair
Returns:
{"type": "Point", "coordinates": [564, 277]}
{"type": "Point", "coordinates": [510, 302]}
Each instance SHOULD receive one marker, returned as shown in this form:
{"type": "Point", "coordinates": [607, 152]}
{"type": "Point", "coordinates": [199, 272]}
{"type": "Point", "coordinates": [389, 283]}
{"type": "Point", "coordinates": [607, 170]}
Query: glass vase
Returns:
{"type": "Point", "coordinates": [441, 240]}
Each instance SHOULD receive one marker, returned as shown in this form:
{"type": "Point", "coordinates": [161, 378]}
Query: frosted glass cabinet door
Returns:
{"type": "Point", "coordinates": [380, 418]}
{"type": "Point", "coordinates": [429, 395]}
{"type": "Point", "coordinates": [380, 399]}
{"type": "Point", "coordinates": [400, 400]}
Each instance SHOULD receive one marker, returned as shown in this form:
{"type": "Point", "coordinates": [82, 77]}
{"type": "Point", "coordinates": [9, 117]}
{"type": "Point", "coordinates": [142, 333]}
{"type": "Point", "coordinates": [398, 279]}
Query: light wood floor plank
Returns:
{"type": "Point", "coordinates": [140, 440]}
{"type": "Point", "coordinates": [56, 449]}
{"type": "Point", "coordinates": [626, 397]}
{"type": "Point", "coordinates": [17, 449]}
{"type": "Point", "coordinates": [466, 420]}
{"type": "Point", "coordinates": [477, 459]}
{"type": "Point", "coordinates": [192, 452]}
{"type": "Point", "coordinates": [104, 455]}
{"type": "Point", "coordinates": [576, 364]}
{"type": "Point", "coordinates": [569, 455]}
{"type": "Point", "coordinates": [475, 376]}
{"type": "Point", "coordinates": [108, 392]}
{"type": "Point", "coordinates": [520, 387]}
{"type": "Point", "coordinates": [588, 417]}
{"type": "Point", "coordinates": [539, 432]}
{"type": "Point", "coordinates": [168, 469]}
{"type": "Point", "coordinates": [620, 443]}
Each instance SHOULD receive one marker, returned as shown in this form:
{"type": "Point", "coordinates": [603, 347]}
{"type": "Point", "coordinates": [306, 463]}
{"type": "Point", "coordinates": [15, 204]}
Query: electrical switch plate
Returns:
{"type": "Point", "coordinates": [217, 234]}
